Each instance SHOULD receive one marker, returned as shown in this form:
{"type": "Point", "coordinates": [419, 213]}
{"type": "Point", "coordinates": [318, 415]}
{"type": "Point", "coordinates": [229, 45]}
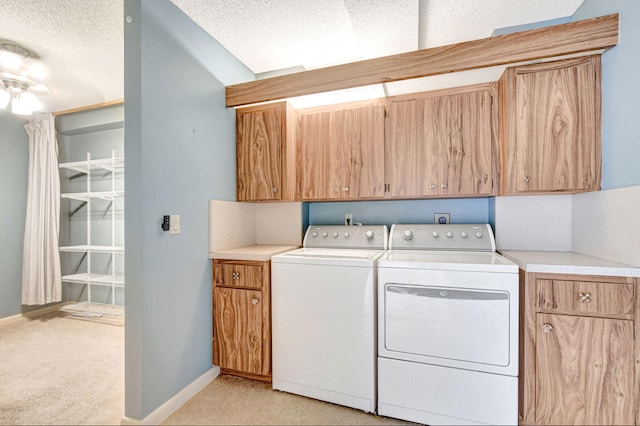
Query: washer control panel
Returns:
{"type": "Point", "coordinates": [341, 236]}
{"type": "Point", "coordinates": [463, 237]}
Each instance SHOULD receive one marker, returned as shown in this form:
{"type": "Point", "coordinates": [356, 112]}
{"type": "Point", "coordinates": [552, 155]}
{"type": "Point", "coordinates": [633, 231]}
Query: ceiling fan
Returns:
{"type": "Point", "coordinates": [19, 70]}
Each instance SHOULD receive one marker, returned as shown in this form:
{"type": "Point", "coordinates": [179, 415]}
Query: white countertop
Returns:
{"type": "Point", "coordinates": [256, 252]}
{"type": "Point", "coordinates": [566, 262]}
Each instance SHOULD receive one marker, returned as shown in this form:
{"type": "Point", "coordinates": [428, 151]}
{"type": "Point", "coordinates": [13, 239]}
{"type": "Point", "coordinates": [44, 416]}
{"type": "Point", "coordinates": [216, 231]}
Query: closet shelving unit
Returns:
{"type": "Point", "coordinates": [89, 278]}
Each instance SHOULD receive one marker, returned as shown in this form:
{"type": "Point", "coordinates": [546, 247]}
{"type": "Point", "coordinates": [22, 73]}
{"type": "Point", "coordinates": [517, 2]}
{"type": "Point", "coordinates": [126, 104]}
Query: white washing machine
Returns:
{"type": "Point", "coordinates": [324, 315]}
{"type": "Point", "coordinates": [447, 327]}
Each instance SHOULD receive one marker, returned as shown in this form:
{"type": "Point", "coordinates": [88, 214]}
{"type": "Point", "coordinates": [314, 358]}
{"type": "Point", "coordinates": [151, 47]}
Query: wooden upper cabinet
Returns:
{"type": "Point", "coordinates": [550, 126]}
{"type": "Point", "coordinates": [341, 152]}
{"type": "Point", "coordinates": [265, 153]}
{"type": "Point", "coordinates": [441, 143]}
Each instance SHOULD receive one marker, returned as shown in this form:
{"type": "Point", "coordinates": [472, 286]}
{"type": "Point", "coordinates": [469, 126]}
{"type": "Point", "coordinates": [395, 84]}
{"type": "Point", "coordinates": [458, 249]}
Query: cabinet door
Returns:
{"type": "Point", "coordinates": [238, 330]}
{"type": "Point", "coordinates": [342, 153]}
{"type": "Point", "coordinates": [409, 163]}
{"type": "Point", "coordinates": [584, 370]}
{"type": "Point", "coordinates": [264, 153]}
{"type": "Point", "coordinates": [458, 128]}
{"type": "Point", "coordinates": [552, 126]}
{"type": "Point", "coordinates": [440, 144]}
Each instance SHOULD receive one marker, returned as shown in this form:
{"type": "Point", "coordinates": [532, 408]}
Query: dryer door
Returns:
{"type": "Point", "coordinates": [450, 325]}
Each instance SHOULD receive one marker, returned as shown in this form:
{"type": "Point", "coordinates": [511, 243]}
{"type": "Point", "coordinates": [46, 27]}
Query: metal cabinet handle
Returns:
{"type": "Point", "coordinates": [254, 300]}
{"type": "Point", "coordinates": [336, 189]}
{"type": "Point", "coordinates": [584, 297]}
{"type": "Point", "coordinates": [526, 179]}
{"type": "Point", "coordinates": [547, 328]}
{"type": "Point", "coordinates": [432, 186]}
{"type": "Point", "coordinates": [444, 186]}
{"type": "Point", "coordinates": [345, 188]}
{"type": "Point", "coordinates": [235, 275]}
{"type": "Point", "coordinates": [274, 189]}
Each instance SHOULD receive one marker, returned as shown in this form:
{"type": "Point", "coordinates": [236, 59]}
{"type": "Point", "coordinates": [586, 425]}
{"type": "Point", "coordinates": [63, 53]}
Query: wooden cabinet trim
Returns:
{"type": "Point", "coordinates": [570, 38]}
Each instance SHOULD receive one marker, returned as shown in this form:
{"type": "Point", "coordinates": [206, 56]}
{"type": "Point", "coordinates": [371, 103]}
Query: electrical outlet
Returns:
{"type": "Point", "coordinates": [441, 218]}
{"type": "Point", "coordinates": [348, 219]}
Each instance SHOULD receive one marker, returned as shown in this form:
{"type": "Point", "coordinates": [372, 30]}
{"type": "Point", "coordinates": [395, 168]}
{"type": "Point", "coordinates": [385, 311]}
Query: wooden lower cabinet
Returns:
{"type": "Point", "coordinates": [584, 370]}
{"type": "Point", "coordinates": [578, 350]}
{"type": "Point", "coordinates": [242, 318]}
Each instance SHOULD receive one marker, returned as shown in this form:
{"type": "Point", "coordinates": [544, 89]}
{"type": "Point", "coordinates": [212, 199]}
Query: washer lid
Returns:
{"type": "Point", "coordinates": [447, 261]}
{"type": "Point", "coordinates": [327, 256]}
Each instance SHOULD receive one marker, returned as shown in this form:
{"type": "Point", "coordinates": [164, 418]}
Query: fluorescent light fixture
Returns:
{"type": "Point", "coordinates": [338, 96]}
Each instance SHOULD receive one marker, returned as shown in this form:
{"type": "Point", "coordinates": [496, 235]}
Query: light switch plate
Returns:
{"type": "Point", "coordinates": [175, 224]}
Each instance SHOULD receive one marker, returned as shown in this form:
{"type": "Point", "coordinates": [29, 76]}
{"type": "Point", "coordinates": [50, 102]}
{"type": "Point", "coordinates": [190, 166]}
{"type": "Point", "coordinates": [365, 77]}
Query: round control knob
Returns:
{"type": "Point", "coordinates": [346, 235]}
{"type": "Point", "coordinates": [435, 234]}
{"type": "Point", "coordinates": [478, 234]}
{"type": "Point", "coordinates": [314, 234]}
{"type": "Point", "coordinates": [463, 234]}
{"type": "Point", "coordinates": [335, 235]}
{"type": "Point", "coordinates": [407, 235]}
{"type": "Point", "coordinates": [325, 235]}
{"type": "Point", "coordinates": [449, 234]}
{"type": "Point", "coordinates": [369, 235]}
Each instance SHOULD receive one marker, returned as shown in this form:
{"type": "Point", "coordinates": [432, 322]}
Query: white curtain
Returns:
{"type": "Point", "coordinates": [41, 277]}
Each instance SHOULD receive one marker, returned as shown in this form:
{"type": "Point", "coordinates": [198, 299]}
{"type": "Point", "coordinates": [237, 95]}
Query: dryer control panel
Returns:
{"type": "Point", "coordinates": [375, 237]}
{"type": "Point", "coordinates": [462, 237]}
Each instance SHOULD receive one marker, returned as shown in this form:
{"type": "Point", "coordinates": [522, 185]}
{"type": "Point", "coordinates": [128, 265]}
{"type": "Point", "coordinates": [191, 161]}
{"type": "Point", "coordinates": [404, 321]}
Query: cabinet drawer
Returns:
{"type": "Point", "coordinates": [600, 299]}
{"type": "Point", "coordinates": [238, 275]}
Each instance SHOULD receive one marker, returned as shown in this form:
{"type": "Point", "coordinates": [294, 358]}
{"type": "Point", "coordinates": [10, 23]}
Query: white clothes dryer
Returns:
{"type": "Point", "coordinates": [447, 327]}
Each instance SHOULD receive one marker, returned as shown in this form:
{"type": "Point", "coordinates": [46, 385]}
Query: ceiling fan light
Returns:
{"type": "Point", "coordinates": [4, 97]}
{"type": "Point", "coordinates": [31, 101]}
{"type": "Point", "coordinates": [20, 107]}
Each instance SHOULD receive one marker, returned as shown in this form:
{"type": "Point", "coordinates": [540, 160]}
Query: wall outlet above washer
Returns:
{"type": "Point", "coordinates": [441, 218]}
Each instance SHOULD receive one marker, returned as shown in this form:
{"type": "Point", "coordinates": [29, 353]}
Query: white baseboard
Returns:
{"type": "Point", "coordinates": [178, 400]}
{"type": "Point", "coordinates": [32, 314]}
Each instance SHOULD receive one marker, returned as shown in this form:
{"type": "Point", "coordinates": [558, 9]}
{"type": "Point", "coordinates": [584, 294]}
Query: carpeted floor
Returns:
{"type": "Point", "coordinates": [59, 369]}
{"type": "Point", "coordinates": [62, 370]}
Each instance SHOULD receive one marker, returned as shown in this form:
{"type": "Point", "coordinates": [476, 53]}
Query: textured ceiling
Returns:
{"type": "Point", "coordinates": [80, 42]}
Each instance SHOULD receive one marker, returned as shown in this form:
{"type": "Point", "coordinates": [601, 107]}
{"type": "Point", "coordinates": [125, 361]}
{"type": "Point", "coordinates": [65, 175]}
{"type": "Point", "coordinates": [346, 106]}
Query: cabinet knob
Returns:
{"type": "Point", "coordinates": [336, 189]}
{"type": "Point", "coordinates": [274, 189]}
{"type": "Point", "coordinates": [547, 328]}
{"type": "Point", "coordinates": [235, 275]}
{"type": "Point", "coordinates": [254, 300]}
{"type": "Point", "coordinates": [584, 297]}
{"type": "Point", "coordinates": [526, 179]}
{"type": "Point", "coordinates": [432, 186]}
{"type": "Point", "coordinates": [345, 188]}
{"type": "Point", "coordinates": [444, 186]}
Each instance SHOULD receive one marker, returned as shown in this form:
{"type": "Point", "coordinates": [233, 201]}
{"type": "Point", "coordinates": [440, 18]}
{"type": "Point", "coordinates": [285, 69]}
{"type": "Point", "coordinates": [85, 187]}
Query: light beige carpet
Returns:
{"type": "Point", "coordinates": [62, 370]}
{"type": "Point", "coordinates": [235, 401]}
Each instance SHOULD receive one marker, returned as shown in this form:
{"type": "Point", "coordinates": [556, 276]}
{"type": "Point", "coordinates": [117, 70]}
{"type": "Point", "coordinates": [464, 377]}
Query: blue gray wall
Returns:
{"type": "Point", "coordinates": [179, 143]}
{"type": "Point", "coordinates": [180, 153]}
{"type": "Point", "coordinates": [470, 210]}
{"type": "Point", "coordinates": [14, 166]}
